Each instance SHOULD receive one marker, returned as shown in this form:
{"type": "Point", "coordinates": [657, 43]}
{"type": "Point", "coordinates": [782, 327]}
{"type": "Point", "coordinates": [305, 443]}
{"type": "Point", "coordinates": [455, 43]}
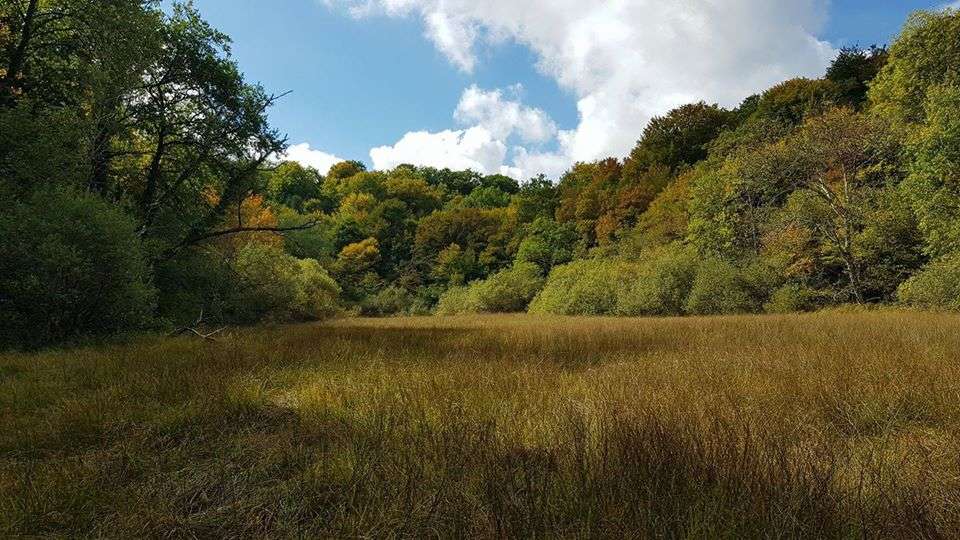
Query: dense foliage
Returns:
{"type": "Point", "coordinates": [142, 177]}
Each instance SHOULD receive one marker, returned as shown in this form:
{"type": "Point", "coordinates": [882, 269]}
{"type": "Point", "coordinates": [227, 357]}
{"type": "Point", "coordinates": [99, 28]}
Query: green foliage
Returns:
{"type": "Point", "coordinates": [584, 287]}
{"type": "Point", "coordinates": [454, 265]}
{"type": "Point", "coordinates": [346, 169]}
{"type": "Point", "coordinates": [316, 292]}
{"type": "Point", "coordinates": [924, 56]}
{"type": "Point", "coordinates": [277, 287]}
{"type": "Point", "coordinates": [661, 284]}
{"type": "Point", "coordinates": [936, 287]}
{"type": "Point", "coordinates": [292, 185]}
{"type": "Point", "coordinates": [392, 300]}
{"type": "Point", "coordinates": [547, 244]}
{"type": "Point", "coordinates": [484, 233]}
{"type": "Point", "coordinates": [678, 138]}
{"type": "Point", "coordinates": [793, 101]}
{"type": "Point", "coordinates": [933, 185]}
{"type": "Point", "coordinates": [721, 288]}
{"type": "Point", "coordinates": [419, 197]}
{"type": "Point", "coordinates": [852, 71]}
{"type": "Point", "coordinates": [665, 221]}
{"type": "Point", "coordinates": [486, 197]}
{"type": "Point", "coordinates": [198, 282]}
{"type": "Point", "coordinates": [793, 298]}
{"type": "Point", "coordinates": [354, 269]}
{"type": "Point", "coordinates": [72, 266]}
{"type": "Point", "coordinates": [35, 147]}
{"type": "Point", "coordinates": [507, 291]}
{"type": "Point", "coordinates": [511, 290]}
{"type": "Point", "coordinates": [318, 242]}
{"type": "Point", "coordinates": [460, 299]}
{"type": "Point", "coordinates": [537, 198]}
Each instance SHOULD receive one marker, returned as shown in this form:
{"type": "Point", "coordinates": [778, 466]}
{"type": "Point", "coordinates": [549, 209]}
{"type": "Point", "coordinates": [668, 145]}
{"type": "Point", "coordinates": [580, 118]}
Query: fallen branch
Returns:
{"type": "Point", "coordinates": [192, 329]}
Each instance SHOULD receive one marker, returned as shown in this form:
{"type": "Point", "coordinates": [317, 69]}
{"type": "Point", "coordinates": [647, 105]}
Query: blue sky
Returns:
{"type": "Point", "coordinates": [360, 82]}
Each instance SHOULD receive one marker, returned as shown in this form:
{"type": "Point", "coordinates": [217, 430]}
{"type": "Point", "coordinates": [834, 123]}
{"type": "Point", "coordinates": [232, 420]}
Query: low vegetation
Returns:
{"type": "Point", "coordinates": [826, 425]}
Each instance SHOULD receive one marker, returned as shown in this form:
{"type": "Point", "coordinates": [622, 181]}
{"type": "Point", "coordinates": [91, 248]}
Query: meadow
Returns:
{"type": "Point", "coordinates": [833, 425]}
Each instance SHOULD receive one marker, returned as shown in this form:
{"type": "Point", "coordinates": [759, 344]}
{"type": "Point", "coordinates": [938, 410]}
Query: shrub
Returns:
{"type": "Point", "coordinates": [721, 288]}
{"type": "Point", "coordinates": [662, 283]}
{"type": "Point", "coordinates": [195, 282]}
{"type": "Point", "coordinates": [457, 300]}
{"type": "Point", "coordinates": [390, 301]}
{"type": "Point", "coordinates": [316, 292]}
{"type": "Point", "coordinates": [584, 287]}
{"type": "Point", "coordinates": [507, 291]}
{"type": "Point", "coordinates": [936, 286]}
{"type": "Point", "coordinates": [72, 266]}
{"type": "Point", "coordinates": [793, 298]}
{"type": "Point", "coordinates": [279, 287]}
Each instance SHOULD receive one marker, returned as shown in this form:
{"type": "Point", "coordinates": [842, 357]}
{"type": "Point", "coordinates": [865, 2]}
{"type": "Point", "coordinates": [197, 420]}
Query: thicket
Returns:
{"type": "Point", "coordinates": [137, 124]}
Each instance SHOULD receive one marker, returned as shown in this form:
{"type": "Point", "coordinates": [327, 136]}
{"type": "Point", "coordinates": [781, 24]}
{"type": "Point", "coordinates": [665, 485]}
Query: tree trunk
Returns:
{"type": "Point", "coordinates": [19, 56]}
{"type": "Point", "coordinates": [148, 203]}
{"type": "Point", "coordinates": [100, 160]}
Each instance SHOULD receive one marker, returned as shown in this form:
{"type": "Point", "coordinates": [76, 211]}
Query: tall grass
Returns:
{"type": "Point", "coordinates": [824, 425]}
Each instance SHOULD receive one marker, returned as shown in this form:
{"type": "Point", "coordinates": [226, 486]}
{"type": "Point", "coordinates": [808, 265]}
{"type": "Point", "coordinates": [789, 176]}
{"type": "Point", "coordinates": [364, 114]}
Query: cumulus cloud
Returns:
{"type": "Point", "coordinates": [503, 117]}
{"type": "Point", "coordinates": [473, 148]}
{"type": "Point", "coordinates": [491, 121]}
{"type": "Point", "coordinates": [628, 60]}
{"type": "Point", "coordinates": [308, 157]}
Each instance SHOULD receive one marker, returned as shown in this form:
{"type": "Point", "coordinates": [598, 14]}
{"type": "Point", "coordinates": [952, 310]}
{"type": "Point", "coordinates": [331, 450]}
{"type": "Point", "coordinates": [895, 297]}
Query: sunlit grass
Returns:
{"type": "Point", "coordinates": [833, 425]}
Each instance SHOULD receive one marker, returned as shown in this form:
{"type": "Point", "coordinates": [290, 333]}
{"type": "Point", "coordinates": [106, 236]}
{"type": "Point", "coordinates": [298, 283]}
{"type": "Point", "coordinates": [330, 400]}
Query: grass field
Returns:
{"type": "Point", "coordinates": [827, 425]}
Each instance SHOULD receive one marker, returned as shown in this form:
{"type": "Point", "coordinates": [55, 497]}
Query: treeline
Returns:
{"type": "Point", "coordinates": [137, 169]}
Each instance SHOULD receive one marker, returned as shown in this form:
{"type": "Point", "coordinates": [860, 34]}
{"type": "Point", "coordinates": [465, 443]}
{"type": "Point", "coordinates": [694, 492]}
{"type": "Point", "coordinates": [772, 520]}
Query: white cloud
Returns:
{"type": "Point", "coordinates": [454, 37]}
{"type": "Point", "coordinates": [625, 60]}
{"type": "Point", "coordinates": [490, 122]}
{"type": "Point", "coordinates": [473, 148]}
{"type": "Point", "coordinates": [308, 157]}
{"type": "Point", "coordinates": [502, 117]}
{"type": "Point", "coordinates": [950, 5]}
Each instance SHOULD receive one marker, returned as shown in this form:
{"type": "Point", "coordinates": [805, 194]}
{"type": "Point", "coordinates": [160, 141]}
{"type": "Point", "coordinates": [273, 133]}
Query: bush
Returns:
{"type": "Point", "coordinates": [722, 288]}
{"type": "Point", "coordinates": [584, 287]}
{"type": "Point", "coordinates": [662, 284]}
{"type": "Point", "coordinates": [281, 288]}
{"type": "Point", "coordinates": [390, 301]}
{"type": "Point", "coordinates": [511, 290]}
{"type": "Point", "coordinates": [316, 292]}
{"type": "Point", "coordinates": [458, 300]}
{"type": "Point", "coordinates": [937, 286]}
{"type": "Point", "coordinates": [197, 281]}
{"type": "Point", "coordinates": [72, 266]}
{"type": "Point", "coordinates": [507, 291]}
{"type": "Point", "coordinates": [793, 298]}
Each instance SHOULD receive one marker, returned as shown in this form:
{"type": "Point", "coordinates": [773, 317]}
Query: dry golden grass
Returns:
{"type": "Point", "coordinates": [825, 425]}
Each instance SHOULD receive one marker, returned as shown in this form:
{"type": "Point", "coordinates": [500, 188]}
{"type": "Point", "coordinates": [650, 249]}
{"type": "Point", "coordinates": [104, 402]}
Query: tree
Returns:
{"type": "Point", "coordinates": [792, 101]}
{"type": "Point", "coordinates": [933, 184]}
{"type": "Point", "coordinates": [547, 244]}
{"type": "Point", "coordinates": [852, 71]}
{"type": "Point", "coordinates": [484, 232]}
{"type": "Point", "coordinates": [346, 169]}
{"type": "Point", "coordinates": [292, 184]}
{"type": "Point", "coordinates": [924, 56]}
{"type": "Point", "coordinates": [536, 198]}
{"type": "Point", "coordinates": [72, 267]}
{"type": "Point", "coordinates": [841, 159]}
{"type": "Point", "coordinates": [678, 138]}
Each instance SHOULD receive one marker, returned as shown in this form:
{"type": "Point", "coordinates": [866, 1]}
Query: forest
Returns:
{"type": "Point", "coordinates": [143, 189]}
